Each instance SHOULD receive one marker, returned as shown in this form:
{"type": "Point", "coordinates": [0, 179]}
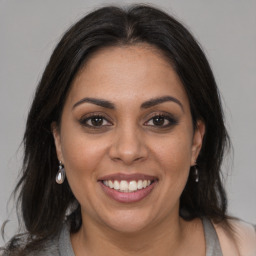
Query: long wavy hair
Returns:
{"type": "Point", "coordinates": [44, 205]}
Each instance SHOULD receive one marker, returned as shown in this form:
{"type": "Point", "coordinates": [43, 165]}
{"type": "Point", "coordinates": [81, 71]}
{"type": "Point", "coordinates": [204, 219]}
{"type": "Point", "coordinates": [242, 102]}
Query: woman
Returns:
{"type": "Point", "coordinates": [124, 143]}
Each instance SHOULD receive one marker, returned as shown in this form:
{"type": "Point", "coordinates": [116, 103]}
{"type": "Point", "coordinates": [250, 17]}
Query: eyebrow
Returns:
{"type": "Point", "coordinates": [155, 101]}
{"type": "Point", "coordinates": [98, 102]}
{"type": "Point", "coordinates": [147, 104]}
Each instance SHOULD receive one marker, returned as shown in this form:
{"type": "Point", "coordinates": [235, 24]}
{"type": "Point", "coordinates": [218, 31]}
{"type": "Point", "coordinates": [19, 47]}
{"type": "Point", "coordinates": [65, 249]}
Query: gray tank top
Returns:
{"type": "Point", "coordinates": [212, 242]}
{"type": "Point", "coordinates": [211, 239]}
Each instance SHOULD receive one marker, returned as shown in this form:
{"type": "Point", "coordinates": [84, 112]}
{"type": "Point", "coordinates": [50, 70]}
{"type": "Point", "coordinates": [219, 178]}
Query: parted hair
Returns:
{"type": "Point", "coordinates": [44, 205]}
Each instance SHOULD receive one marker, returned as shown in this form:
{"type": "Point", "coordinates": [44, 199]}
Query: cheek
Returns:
{"type": "Point", "coordinates": [82, 155]}
{"type": "Point", "coordinates": [174, 151]}
{"type": "Point", "coordinates": [82, 160]}
{"type": "Point", "coordinates": [174, 155]}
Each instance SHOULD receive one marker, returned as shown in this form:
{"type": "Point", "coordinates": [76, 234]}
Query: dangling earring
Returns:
{"type": "Point", "coordinates": [60, 177]}
{"type": "Point", "coordinates": [196, 173]}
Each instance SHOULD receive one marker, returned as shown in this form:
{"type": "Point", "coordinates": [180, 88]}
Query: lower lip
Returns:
{"type": "Point", "coordinates": [128, 197]}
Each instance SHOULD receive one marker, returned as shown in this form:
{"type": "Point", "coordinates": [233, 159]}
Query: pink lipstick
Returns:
{"type": "Point", "coordinates": [127, 188]}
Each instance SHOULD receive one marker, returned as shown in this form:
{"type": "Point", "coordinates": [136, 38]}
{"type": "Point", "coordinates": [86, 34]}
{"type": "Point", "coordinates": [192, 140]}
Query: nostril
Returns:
{"type": "Point", "coordinates": [138, 158]}
{"type": "Point", "coordinates": [127, 149]}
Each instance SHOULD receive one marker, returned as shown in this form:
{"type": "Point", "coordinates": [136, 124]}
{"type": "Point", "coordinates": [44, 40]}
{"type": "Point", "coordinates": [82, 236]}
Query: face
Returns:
{"type": "Point", "coordinates": [126, 139]}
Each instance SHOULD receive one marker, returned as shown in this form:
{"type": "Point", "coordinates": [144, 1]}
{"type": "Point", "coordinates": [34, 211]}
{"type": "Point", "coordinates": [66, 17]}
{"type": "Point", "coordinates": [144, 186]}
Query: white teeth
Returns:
{"type": "Point", "coordinates": [125, 186]}
{"type": "Point", "coordinates": [116, 185]}
{"type": "Point", "coordinates": [133, 185]}
{"type": "Point", "coordinates": [110, 184]}
{"type": "Point", "coordinates": [140, 184]}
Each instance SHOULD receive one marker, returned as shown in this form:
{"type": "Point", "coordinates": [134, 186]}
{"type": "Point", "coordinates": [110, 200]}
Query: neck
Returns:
{"type": "Point", "coordinates": [163, 238]}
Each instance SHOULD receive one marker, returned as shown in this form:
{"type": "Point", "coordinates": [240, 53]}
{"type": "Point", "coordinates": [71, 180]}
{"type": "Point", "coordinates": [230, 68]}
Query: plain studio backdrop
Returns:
{"type": "Point", "coordinates": [29, 30]}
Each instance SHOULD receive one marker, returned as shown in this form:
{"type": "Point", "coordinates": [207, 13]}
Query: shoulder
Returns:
{"type": "Point", "coordinates": [49, 248]}
{"type": "Point", "coordinates": [245, 235]}
{"type": "Point", "coordinates": [58, 245]}
{"type": "Point", "coordinates": [21, 245]}
{"type": "Point", "coordinates": [240, 241]}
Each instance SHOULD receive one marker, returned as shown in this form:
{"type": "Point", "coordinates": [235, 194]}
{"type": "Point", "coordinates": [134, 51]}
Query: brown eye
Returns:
{"type": "Point", "coordinates": [158, 120]}
{"type": "Point", "coordinates": [161, 121]}
{"type": "Point", "coordinates": [96, 121]}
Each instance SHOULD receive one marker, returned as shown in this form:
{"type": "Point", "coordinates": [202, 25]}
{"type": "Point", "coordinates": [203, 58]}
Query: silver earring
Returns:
{"type": "Point", "coordinates": [196, 173]}
{"type": "Point", "coordinates": [60, 177]}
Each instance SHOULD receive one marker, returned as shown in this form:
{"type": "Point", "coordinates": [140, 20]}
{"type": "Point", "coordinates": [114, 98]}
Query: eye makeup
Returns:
{"type": "Point", "coordinates": [156, 120]}
{"type": "Point", "coordinates": [160, 120]}
{"type": "Point", "coordinates": [95, 121]}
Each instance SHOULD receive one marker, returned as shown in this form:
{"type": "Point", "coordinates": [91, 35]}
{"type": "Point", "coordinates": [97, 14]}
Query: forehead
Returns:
{"type": "Point", "coordinates": [127, 73]}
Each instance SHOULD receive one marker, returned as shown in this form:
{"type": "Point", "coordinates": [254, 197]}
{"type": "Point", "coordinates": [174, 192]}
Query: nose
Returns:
{"type": "Point", "coordinates": [128, 146]}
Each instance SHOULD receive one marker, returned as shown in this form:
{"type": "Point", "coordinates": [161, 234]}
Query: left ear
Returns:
{"type": "Point", "coordinates": [197, 141]}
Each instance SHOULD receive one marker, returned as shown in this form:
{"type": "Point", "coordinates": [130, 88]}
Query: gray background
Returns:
{"type": "Point", "coordinates": [29, 30]}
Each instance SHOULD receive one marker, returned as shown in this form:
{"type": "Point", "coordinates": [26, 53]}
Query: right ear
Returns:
{"type": "Point", "coordinates": [56, 135]}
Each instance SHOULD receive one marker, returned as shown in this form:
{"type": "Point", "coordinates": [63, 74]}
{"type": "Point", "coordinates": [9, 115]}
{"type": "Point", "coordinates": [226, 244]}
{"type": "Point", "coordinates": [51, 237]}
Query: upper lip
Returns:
{"type": "Point", "coordinates": [128, 177]}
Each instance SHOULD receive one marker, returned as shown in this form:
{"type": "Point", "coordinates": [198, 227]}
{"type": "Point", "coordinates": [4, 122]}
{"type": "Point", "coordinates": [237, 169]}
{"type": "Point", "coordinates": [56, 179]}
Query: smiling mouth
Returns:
{"type": "Point", "coordinates": [127, 186]}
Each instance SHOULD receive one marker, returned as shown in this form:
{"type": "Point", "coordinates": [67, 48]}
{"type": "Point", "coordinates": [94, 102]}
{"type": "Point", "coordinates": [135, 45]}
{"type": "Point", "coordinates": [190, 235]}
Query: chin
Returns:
{"type": "Point", "coordinates": [128, 222]}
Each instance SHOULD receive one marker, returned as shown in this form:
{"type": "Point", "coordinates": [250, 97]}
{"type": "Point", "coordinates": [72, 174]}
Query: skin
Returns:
{"type": "Point", "coordinates": [129, 141]}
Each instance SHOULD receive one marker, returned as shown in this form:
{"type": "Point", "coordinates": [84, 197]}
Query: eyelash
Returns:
{"type": "Point", "coordinates": [167, 118]}
{"type": "Point", "coordinates": [84, 121]}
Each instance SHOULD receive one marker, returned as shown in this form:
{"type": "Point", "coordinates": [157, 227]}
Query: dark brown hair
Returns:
{"type": "Point", "coordinates": [43, 203]}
